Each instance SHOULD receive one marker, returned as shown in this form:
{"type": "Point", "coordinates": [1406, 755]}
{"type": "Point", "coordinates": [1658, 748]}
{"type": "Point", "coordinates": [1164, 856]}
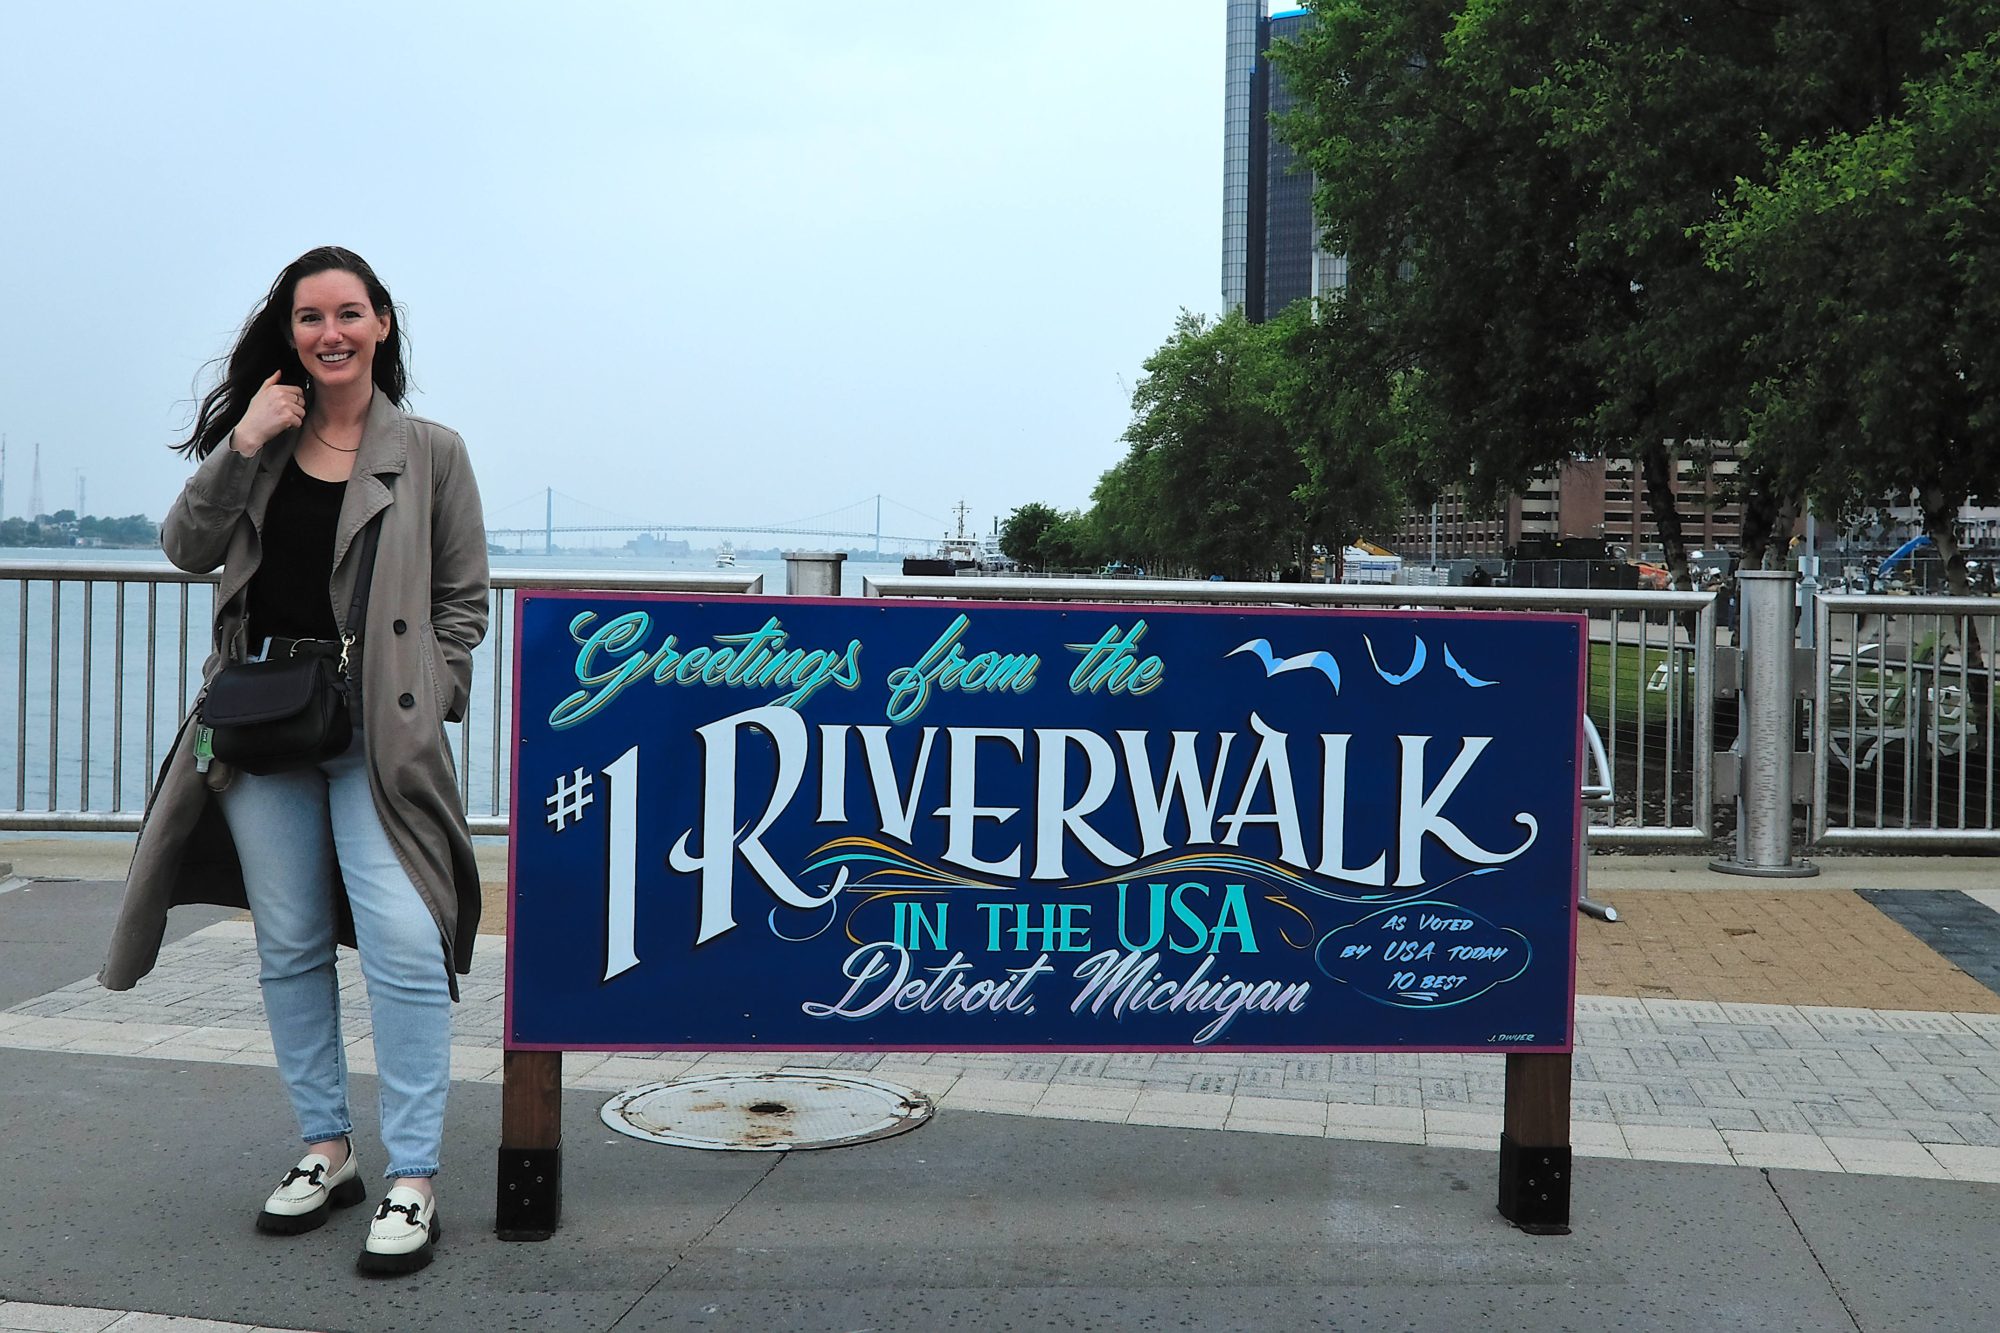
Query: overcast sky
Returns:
{"type": "Point", "coordinates": [684, 261]}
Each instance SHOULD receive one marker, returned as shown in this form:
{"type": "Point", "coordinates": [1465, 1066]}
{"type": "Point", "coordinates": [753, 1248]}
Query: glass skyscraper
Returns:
{"type": "Point", "coordinates": [1270, 244]}
{"type": "Point", "coordinates": [1246, 21]}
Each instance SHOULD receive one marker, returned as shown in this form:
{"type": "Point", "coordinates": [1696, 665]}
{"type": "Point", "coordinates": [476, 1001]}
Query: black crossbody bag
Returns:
{"type": "Point", "coordinates": [288, 712]}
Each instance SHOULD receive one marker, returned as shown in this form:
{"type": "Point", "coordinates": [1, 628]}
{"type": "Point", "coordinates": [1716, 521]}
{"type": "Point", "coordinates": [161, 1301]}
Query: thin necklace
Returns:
{"type": "Point", "coordinates": [323, 440]}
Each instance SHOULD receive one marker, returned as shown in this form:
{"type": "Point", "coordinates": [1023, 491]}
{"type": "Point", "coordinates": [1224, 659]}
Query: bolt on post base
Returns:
{"type": "Point", "coordinates": [529, 1206]}
{"type": "Point", "coordinates": [1534, 1187]}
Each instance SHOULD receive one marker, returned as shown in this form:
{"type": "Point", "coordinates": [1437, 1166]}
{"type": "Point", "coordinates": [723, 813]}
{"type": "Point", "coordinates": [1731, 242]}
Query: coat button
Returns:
{"type": "Point", "coordinates": [400, 626]}
{"type": "Point", "coordinates": [408, 701]}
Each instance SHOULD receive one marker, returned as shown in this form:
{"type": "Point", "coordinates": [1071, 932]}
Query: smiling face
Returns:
{"type": "Point", "coordinates": [335, 330]}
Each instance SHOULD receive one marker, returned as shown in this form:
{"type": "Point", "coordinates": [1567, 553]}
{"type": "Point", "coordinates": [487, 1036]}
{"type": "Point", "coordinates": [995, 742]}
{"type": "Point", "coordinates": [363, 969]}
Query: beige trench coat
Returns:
{"type": "Point", "coordinates": [426, 613]}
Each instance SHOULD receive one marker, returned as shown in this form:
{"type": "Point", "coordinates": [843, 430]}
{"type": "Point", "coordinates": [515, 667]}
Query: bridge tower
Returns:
{"type": "Point", "coordinates": [549, 524]}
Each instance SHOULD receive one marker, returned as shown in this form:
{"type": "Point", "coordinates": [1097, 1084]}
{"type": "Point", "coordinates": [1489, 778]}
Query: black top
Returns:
{"type": "Point", "coordinates": [290, 594]}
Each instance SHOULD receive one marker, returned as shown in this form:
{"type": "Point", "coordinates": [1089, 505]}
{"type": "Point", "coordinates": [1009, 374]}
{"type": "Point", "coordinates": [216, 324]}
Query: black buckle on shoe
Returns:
{"type": "Point", "coordinates": [409, 1210]}
{"type": "Point", "coordinates": [316, 1175]}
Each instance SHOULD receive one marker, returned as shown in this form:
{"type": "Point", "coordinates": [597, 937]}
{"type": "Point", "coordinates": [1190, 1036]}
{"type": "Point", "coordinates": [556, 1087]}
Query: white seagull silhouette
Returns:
{"type": "Point", "coordinates": [1319, 660]}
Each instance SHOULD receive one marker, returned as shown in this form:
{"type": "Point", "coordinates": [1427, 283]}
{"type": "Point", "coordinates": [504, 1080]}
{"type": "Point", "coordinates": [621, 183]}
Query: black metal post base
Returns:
{"type": "Point", "coordinates": [1534, 1188]}
{"type": "Point", "coordinates": [530, 1203]}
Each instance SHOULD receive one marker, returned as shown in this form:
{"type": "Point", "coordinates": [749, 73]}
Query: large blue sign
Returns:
{"type": "Point", "coordinates": [824, 824]}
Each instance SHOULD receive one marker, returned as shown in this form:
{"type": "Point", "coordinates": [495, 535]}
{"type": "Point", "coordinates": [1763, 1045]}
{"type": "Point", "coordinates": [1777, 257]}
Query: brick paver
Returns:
{"type": "Point", "coordinates": [1770, 947]}
{"type": "Point", "coordinates": [1962, 927]}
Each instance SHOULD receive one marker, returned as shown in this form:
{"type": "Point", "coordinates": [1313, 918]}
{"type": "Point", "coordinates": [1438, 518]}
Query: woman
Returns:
{"type": "Point", "coordinates": [302, 447]}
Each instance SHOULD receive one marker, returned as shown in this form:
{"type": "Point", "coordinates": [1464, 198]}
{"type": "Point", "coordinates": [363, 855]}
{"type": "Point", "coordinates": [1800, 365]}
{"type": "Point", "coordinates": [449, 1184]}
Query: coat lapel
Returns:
{"type": "Point", "coordinates": [271, 461]}
{"type": "Point", "coordinates": [385, 453]}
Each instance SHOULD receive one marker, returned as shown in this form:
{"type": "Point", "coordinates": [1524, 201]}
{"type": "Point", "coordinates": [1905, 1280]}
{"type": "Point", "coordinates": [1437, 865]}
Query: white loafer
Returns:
{"type": "Point", "coordinates": [308, 1192]}
{"type": "Point", "coordinates": [402, 1234]}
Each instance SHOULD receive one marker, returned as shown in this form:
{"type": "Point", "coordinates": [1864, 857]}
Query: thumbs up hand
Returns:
{"type": "Point", "coordinates": [276, 409]}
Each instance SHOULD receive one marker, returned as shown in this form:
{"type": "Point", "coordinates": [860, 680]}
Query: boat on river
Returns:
{"type": "Point", "coordinates": [962, 552]}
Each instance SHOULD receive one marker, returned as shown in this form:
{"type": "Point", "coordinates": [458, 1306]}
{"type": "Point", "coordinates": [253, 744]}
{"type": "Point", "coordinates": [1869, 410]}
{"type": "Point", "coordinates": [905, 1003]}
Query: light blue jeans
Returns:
{"type": "Point", "coordinates": [299, 835]}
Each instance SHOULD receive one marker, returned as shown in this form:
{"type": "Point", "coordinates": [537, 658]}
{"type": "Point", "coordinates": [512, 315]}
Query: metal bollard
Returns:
{"type": "Point", "coordinates": [813, 573]}
{"type": "Point", "coordinates": [1764, 730]}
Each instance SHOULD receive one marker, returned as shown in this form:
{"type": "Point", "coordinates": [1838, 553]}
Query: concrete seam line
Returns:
{"type": "Point", "coordinates": [1831, 1285]}
{"type": "Point", "coordinates": [778, 1160]}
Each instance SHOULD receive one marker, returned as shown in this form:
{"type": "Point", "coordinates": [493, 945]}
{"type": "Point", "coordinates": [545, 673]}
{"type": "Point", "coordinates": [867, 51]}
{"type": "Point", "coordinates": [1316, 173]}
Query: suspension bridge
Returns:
{"type": "Point", "coordinates": [564, 519]}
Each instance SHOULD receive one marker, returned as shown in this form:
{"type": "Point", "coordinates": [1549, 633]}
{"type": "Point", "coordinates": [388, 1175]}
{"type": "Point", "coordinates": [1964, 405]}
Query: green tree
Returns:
{"type": "Point", "coordinates": [1880, 250]}
{"type": "Point", "coordinates": [1021, 532]}
{"type": "Point", "coordinates": [1125, 517]}
{"type": "Point", "coordinates": [1066, 544]}
{"type": "Point", "coordinates": [1042, 537]}
{"type": "Point", "coordinates": [1456, 227]}
{"type": "Point", "coordinates": [1355, 419]}
{"type": "Point", "coordinates": [1516, 184]}
{"type": "Point", "coordinates": [132, 530]}
{"type": "Point", "coordinates": [1211, 449]}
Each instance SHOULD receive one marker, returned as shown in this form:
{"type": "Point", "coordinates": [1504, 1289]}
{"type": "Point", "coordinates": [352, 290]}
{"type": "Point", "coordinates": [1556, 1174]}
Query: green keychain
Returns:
{"type": "Point", "coordinates": [204, 749]}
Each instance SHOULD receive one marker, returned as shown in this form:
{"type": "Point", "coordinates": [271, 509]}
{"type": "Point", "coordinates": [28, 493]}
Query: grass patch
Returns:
{"type": "Point", "coordinates": [1644, 681]}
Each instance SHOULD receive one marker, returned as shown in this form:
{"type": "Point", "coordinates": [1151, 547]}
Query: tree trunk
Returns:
{"type": "Point", "coordinates": [1768, 519]}
{"type": "Point", "coordinates": [1658, 464]}
{"type": "Point", "coordinates": [1940, 518]}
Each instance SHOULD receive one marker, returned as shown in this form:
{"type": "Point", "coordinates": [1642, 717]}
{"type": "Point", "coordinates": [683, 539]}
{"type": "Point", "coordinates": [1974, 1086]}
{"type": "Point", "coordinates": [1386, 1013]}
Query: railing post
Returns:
{"type": "Point", "coordinates": [813, 573]}
{"type": "Point", "coordinates": [1764, 731]}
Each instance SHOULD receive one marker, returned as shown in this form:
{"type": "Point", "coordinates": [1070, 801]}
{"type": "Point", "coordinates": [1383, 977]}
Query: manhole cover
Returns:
{"type": "Point", "coordinates": [767, 1112]}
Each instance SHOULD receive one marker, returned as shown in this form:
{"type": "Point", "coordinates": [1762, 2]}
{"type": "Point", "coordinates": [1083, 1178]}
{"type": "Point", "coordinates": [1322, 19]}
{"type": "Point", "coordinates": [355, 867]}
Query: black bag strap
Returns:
{"type": "Point", "coordinates": [357, 611]}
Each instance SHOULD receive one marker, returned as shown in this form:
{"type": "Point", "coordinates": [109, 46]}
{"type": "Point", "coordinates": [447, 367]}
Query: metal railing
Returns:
{"type": "Point", "coordinates": [106, 659]}
{"type": "Point", "coordinates": [1903, 722]}
{"type": "Point", "coordinates": [1651, 672]}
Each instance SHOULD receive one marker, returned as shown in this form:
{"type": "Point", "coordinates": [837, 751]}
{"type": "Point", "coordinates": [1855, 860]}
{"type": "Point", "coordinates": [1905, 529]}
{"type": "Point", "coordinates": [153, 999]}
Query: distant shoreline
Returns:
{"type": "Point", "coordinates": [88, 546]}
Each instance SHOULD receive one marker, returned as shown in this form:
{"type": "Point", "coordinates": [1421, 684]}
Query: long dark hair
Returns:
{"type": "Point", "coordinates": [264, 346]}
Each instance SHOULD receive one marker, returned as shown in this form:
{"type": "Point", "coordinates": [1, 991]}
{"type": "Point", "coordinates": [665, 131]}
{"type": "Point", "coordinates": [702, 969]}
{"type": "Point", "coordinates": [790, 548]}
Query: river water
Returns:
{"type": "Point", "coordinates": [122, 713]}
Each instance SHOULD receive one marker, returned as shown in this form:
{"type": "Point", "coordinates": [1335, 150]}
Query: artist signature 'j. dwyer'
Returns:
{"type": "Point", "coordinates": [1511, 1036]}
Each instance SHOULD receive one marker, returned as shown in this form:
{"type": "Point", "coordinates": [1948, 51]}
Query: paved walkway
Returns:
{"type": "Point", "coordinates": [1839, 1088]}
{"type": "Point", "coordinates": [1828, 1026]}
